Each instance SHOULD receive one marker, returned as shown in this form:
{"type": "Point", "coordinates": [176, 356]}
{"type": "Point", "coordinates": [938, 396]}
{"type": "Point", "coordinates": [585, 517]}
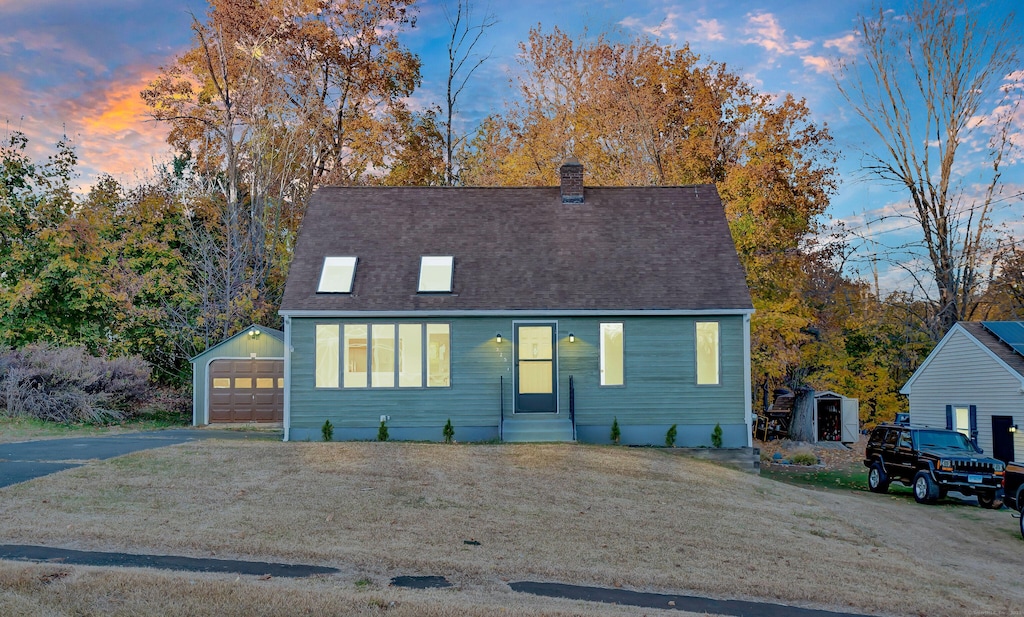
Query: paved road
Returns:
{"type": "Point", "coordinates": [164, 562]}
{"type": "Point", "coordinates": [24, 461]}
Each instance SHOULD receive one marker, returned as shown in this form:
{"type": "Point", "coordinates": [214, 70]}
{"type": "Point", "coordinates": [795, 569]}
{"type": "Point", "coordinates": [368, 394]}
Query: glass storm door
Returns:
{"type": "Point", "coordinates": [535, 368]}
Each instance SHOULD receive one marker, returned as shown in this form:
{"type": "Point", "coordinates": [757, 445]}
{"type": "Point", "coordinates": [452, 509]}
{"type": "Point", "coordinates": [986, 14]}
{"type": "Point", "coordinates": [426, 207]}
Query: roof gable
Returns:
{"type": "Point", "coordinates": [271, 332]}
{"type": "Point", "coordinates": [977, 334]}
{"type": "Point", "coordinates": [636, 248]}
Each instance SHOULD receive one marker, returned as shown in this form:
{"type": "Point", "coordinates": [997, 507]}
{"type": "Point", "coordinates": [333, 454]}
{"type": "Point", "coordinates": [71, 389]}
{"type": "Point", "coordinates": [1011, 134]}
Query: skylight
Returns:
{"type": "Point", "coordinates": [337, 274]}
{"type": "Point", "coordinates": [436, 274]}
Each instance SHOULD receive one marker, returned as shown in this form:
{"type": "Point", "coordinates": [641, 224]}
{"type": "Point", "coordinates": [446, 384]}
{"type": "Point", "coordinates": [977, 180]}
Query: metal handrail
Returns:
{"type": "Point", "coordinates": [572, 406]}
{"type": "Point", "coordinates": [501, 400]}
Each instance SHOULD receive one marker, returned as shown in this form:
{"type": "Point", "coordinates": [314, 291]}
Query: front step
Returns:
{"type": "Point", "coordinates": [532, 428]}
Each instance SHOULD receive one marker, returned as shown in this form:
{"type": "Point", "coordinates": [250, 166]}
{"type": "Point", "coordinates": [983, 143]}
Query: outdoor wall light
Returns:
{"type": "Point", "coordinates": [1013, 428]}
{"type": "Point", "coordinates": [254, 332]}
{"type": "Point", "coordinates": [572, 337]}
{"type": "Point", "coordinates": [497, 337]}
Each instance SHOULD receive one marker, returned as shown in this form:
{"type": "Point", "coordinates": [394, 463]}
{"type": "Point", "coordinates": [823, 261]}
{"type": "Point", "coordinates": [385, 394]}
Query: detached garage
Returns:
{"type": "Point", "coordinates": [240, 379]}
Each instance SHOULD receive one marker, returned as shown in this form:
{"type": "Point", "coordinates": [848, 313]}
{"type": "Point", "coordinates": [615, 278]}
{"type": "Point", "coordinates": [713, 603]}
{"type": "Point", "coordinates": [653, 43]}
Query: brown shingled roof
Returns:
{"type": "Point", "coordinates": [637, 248]}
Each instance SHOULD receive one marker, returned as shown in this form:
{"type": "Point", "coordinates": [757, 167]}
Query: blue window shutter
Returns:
{"type": "Point", "coordinates": [949, 417]}
{"type": "Point", "coordinates": [973, 413]}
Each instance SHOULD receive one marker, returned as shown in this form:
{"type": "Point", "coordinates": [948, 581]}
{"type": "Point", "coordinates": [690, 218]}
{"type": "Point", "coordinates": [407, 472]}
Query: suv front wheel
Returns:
{"type": "Point", "coordinates": [989, 501]}
{"type": "Point", "coordinates": [925, 489]}
{"type": "Point", "coordinates": [878, 482]}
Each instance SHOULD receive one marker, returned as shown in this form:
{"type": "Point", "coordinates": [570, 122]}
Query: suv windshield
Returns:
{"type": "Point", "coordinates": [943, 439]}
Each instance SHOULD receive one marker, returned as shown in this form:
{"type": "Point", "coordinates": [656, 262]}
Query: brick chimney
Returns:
{"type": "Point", "coordinates": [571, 173]}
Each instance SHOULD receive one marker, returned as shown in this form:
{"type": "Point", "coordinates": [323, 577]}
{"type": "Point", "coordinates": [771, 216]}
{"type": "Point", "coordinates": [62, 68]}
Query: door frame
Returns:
{"type": "Point", "coordinates": [515, 363]}
{"type": "Point", "coordinates": [209, 384]}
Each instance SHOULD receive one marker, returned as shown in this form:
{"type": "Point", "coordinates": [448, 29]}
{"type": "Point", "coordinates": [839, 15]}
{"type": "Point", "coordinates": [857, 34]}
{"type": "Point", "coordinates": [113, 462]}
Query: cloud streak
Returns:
{"type": "Point", "coordinates": [765, 31]}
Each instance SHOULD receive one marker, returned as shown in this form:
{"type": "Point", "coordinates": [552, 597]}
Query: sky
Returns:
{"type": "Point", "coordinates": [75, 68]}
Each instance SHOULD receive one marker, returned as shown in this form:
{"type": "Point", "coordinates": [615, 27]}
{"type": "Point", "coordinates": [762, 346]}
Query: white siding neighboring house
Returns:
{"type": "Point", "coordinates": [973, 382]}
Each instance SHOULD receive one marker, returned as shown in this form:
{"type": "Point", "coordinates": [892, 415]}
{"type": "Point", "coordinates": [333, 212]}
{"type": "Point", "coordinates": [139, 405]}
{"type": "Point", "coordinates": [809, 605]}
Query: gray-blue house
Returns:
{"type": "Point", "coordinates": [520, 314]}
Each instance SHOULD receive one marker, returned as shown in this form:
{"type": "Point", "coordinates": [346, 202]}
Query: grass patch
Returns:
{"type": "Point", "coordinates": [26, 428]}
{"type": "Point", "coordinates": [636, 518]}
{"type": "Point", "coordinates": [847, 479]}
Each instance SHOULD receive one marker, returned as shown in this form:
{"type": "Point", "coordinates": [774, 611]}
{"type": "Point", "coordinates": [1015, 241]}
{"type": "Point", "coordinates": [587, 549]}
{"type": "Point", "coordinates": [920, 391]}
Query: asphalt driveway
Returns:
{"type": "Point", "coordinates": [24, 461]}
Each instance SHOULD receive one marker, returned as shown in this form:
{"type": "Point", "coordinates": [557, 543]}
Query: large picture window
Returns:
{"type": "Point", "coordinates": [612, 365]}
{"type": "Point", "coordinates": [708, 353]}
{"type": "Point", "coordinates": [383, 355]}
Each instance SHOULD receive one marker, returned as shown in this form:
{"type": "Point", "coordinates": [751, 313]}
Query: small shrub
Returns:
{"type": "Point", "coordinates": [382, 432]}
{"type": "Point", "coordinates": [803, 457]}
{"type": "Point", "coordinates": [616, 434]}
{"type": "Point", "coordinates": [670, 437]}
{"type": "Point", "coordinates": [327, 431]}
{"type": "Point", "coordinates": [716, 436]}
{"type": "Point", "coordinates": [449, 431]}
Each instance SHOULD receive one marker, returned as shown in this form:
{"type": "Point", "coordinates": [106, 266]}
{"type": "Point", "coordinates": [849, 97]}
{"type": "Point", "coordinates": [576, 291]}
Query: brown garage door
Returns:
{"type": "Point", "coordinates": [249, 390]}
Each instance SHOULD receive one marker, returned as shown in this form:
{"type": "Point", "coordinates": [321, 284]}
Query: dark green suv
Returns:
{"type": "Point", "coordinates": [932, 461]}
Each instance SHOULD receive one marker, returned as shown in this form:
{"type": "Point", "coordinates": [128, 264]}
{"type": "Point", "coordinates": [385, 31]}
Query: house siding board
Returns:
{"type": "Point", "coordinates": [659, 391]}
{"type": "Point", "coordinates": [962, 373]}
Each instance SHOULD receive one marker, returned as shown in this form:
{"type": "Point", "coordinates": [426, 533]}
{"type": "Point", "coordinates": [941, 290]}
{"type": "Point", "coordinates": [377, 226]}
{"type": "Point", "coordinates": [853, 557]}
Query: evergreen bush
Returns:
{"type": "Point", "coordinates": [670, 437]}
{"type": "Point", "coordinates": [327, 430]}
{"type": "Point", "coordinates": [382, 432]}
{"type": "Point", "coordinates": [616, 434]}
{"type": "Point", "coordinates": [449, 431]}
{"type": "Point", "coordinates": [716, 436]}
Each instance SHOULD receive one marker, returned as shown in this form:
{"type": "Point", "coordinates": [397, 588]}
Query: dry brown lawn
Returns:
{"type": "Point", "coordinates": [632, 517]}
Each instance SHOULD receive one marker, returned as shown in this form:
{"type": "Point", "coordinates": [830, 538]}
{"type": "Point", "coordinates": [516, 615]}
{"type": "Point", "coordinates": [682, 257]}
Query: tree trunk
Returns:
{"type": "Point", "coordinates": [801, 426]}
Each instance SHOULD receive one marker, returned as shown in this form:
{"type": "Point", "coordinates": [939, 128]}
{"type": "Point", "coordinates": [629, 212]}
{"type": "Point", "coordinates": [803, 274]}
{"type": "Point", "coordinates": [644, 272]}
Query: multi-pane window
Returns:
{"type": "Point", "coordinates": [708, 353]}
{"type": "Point", "coordinates": [337, 274]}
{"type": "Point", "coordinates": [612, 373]}
{"type": "Point", "coordinates": [383, 355]}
